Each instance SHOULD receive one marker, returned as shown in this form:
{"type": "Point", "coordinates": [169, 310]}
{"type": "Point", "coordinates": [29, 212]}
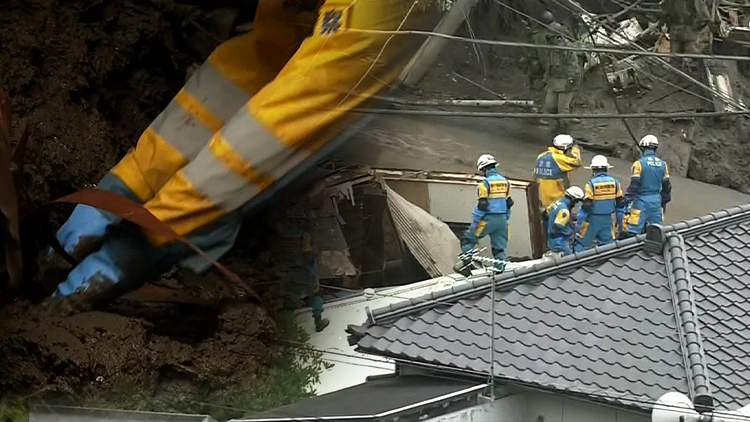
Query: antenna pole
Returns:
{"type": "Point", "coordinates": [492, 340]}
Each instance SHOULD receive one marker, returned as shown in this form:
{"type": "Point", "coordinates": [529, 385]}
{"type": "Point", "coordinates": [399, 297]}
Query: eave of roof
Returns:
{"type": "Point", "coordinates": [667, 240]}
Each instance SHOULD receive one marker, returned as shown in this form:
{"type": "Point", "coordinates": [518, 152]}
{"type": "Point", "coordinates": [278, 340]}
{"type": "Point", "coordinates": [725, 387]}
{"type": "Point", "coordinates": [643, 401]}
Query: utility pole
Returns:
{"type": "Point", "coordinates": [428, 53]}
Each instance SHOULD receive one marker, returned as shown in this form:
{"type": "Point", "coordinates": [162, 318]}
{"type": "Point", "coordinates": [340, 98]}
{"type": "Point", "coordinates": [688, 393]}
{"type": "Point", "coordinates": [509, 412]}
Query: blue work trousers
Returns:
{"type": "Point", "coordinates": [304, 283]}
{"type": "Point", "coordinates": [559, 244]}
{"type": "Point", "coordinates": [493, 225]}
{"type": "Point", "coordinates": [645, 210]}
{"type": "Point", "coordinates": [597, 227]}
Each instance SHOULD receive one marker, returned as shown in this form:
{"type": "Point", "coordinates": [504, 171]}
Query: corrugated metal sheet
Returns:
{"type": "Point", "coordinates": [430, 240]}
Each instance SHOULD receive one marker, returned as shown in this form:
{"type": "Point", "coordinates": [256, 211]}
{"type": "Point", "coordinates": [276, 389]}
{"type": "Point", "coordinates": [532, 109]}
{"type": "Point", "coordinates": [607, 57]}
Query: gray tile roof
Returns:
{"type": "Point", "coordinates": [720, 270]}
{"type": "Point", "coordinates": [625, 323]}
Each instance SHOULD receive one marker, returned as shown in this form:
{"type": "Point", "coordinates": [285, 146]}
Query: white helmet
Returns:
{"type": "Point", "coordinates": [599, 161]}
{"type": "Point", "coordinates": [562, 141]}
{"type": "Point", "coordinates": [649, 141]}
{"type": "Point", "coordinates": [484, 161]}
{"type": "Point", "coordinates": [574, 192]}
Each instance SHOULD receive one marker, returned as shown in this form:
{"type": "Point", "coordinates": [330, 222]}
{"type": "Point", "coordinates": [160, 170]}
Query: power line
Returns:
{"type": "Point", "coordinates": [625, 37]}
{"type": "Point", "coordinates": [503, 115]}
{"type": "Point", "coordinates": [668, 65]}
{"type": "Point", "coordinates": [592, 49]}
{"type": "Point", "coordinates": [600, 394]}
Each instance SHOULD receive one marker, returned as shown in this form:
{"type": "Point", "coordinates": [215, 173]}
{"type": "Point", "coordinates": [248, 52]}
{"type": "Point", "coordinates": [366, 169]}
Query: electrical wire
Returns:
{"type": "Point", "coordinates": [589, 49]}
{"type": "Point", "coordinates": [504, 115]}
{"type": "Point", "coordinates": [464, 302]}
{"type": "Point", "coordinates": [607, 37]}
{"type": "Point", "coordinates": [618, 31]}
{"type": "Point", "coordinates": [590, 392]}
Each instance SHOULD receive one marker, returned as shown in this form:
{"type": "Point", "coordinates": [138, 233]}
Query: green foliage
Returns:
{"type": "Point", "coordinates": [289, 378]}
{"type": "Point", "coordinates": [13, 411]}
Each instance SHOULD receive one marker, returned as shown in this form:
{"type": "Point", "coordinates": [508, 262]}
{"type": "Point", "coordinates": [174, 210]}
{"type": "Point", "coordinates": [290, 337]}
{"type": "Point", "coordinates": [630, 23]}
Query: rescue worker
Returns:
{"type": "Point", "coordinates": [300, 258]}
{"type": "Point", "coordinates": [602, 197]}
{"type": "Point", "coordinates": [685, 19]}
{"type": "Point", "coordinates": [650, 189]}
{"type": "Point", "coordinates": [560, 232]}
{"type": "Point", "coordinates": [263, 107]}
{"type": "Point", "coordinates": [490, 216]}
{"type": "Point", "coordinates": [563, 75]}
{"type": "Point", "coordinates": [535, 63]}
{"type": "Point", "coordinates": [553, 167]}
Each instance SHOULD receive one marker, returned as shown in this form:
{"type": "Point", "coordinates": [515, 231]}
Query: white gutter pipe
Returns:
{"type": "Point", "coordinates": [677, 407]}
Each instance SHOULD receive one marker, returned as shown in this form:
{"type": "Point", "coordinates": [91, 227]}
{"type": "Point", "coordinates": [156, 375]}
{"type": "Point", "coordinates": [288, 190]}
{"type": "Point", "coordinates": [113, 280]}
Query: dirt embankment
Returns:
{"type": "Point", "coordinates": [88, 76]}
{"type": "Point", "coordinates": [148, 353]}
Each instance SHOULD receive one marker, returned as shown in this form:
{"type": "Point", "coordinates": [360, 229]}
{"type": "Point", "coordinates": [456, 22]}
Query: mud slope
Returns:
{"type": "Point", "coordinates": [156, 352]}
{"type": "Point", "coordinates": [88, 76]}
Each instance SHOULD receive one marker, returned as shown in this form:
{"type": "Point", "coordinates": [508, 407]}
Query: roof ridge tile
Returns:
{"type": "Point", "coordinates": [480, 283]}
{"type": "Point", "coordinates": [687, 320]}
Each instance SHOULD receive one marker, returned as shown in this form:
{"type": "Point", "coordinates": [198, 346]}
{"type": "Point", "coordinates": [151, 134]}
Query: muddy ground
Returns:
{"type": "Point", "coordinates": [88, 76]}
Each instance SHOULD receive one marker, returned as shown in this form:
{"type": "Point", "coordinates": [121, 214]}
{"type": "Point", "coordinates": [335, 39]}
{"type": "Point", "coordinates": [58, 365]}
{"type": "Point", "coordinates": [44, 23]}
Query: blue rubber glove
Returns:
{"type": "Point", "coordinates": [84, 230]}
{"type": "Point", "coordinates": [125, 261]}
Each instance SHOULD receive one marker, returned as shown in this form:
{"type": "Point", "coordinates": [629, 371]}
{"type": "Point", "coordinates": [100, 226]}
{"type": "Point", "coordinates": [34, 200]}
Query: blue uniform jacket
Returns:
{"type": "Point", "coordinates": [496, 190]}
{"type": "Point", "coordinates": [649, 177]}
{"type": "Point", "coordinates": [603, 196]}
{"type": "Point", "coordinates": [558, 224]}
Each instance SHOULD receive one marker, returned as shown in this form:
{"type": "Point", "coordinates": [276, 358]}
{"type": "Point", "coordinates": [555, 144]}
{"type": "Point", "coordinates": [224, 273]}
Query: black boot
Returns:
{"type": "Point", "coordinates": [463, 268]}
{"type": "Point", "coordinates": [320, 323]}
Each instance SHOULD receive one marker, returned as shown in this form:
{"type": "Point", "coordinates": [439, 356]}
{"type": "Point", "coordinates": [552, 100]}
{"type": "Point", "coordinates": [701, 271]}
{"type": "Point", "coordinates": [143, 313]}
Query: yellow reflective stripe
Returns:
{"type": "Point", "coordinates": [562, 218]}
{"type": "Point", "coordinates": [129, 173]}
{"type": "Point", "coordinates": [149, 166]}
{"type": "Point", "coordinates": [634, 218]}
{"type": "Point", "coordinates": [186, 135]}
{"type": "Point", "coordinates": [550, 190]}
{"type": "Point", "coordinates": [217, 183]}
{"type": "Point", "coordinates": [198, 111]}
{"type": "Point", "coordinates": [182, 207]}
{"type": "Point", "coordinates": [606, 190]}
{"type": "Point", "coordinates": [215, 92]}
{"type": "Point", "coordinates": [179, 133]}
{"type": "Point", "coordinates": [584, 228]}
{"type": "Point", "coordinates": [257, 146]}
{"type": "Point", "coordinates": [499, 189]}
{"type": "Point", "coordinates": [589, 192]}
{"type": "Point", "coordinates": [480, 228]}
{"type": "Point", "coordinates": [482, 191]}
{"type": "Point", "coordinates": [636, 169]}
{"type": "Point", "coordinates": [224, 152]}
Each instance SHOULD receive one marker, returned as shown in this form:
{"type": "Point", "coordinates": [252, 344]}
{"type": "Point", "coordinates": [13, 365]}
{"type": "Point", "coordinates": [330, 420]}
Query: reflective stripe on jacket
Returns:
{"type": "Point", "coordinates": [603, 190]}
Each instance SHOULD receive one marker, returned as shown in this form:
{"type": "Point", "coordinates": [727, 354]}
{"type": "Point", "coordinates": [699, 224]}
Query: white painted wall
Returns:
{"type": "Point", "coordinates": [455, 202]}
{"type": "Point", "coordinates": [352, 368]}
{"type": "Point", "coordinates": [540, 407]}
